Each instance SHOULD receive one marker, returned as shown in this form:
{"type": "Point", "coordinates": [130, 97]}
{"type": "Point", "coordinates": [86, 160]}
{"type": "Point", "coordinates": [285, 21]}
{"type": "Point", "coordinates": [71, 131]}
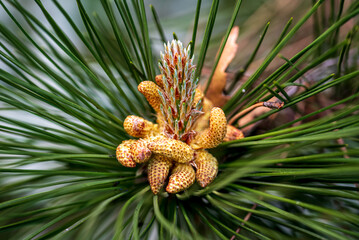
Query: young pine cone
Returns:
{"type": "Point", "coordinates": [124, 155]}
{"type": "Point", "coordinates": [182, 177]}
{"type": "Point", "coordinates": [216, 132]}
{"type": "Point", "coordinates": [158, 169]}
{"type": "Point", "coordinates": [207, 168]}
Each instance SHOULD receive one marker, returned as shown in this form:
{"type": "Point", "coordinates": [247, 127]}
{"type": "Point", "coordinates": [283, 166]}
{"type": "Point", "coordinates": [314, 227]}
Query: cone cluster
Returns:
{"type": "Point", "coordinates": [175, 145]}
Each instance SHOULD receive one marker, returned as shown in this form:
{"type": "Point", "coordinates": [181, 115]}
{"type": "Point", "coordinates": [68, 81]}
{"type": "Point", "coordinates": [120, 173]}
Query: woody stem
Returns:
{"type": "Point", "coordinates": [272, 105]}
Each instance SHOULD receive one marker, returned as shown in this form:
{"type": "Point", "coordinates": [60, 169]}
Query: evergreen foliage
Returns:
{"type": "Point", "coordinates": [67, 86]}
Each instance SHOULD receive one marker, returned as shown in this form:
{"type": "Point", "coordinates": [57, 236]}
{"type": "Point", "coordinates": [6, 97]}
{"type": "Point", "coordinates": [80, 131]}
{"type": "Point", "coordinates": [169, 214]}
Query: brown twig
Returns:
{"type": "Point", "coordinates": [246, 218]}
{"type": "Point", "coordinates": [272, 105]}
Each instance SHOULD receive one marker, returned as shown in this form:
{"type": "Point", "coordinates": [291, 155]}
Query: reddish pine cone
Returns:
{"type": "Point", "coordinates": [123, 153]}
{"type": "Point", "coordinates": [158, 169]}
{"type": "Point", "coordinates": [213, 135]}
{"type": "Point", "coordinates": [183, 176]}
{"type": "Point", "coordinates": [140, 152]}
{"type": "Point", "coordinates": [233, 133]}
{"type": "Point", "coordinates": [150, 91]}
{"type": "Point", "coordinates": [137, 126]}
{"type": "Point", "coordinates": [207, 168]}
{"type": "Point", "coordinates": [171, 148]}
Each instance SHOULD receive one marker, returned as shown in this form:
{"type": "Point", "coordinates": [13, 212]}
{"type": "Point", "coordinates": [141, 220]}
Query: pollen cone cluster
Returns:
{"type": "Point", "coordinates": [185, 127]}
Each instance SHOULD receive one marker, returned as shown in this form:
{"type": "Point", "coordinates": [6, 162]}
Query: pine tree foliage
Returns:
{"type": "Point", "coordinates": [67, 86]}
